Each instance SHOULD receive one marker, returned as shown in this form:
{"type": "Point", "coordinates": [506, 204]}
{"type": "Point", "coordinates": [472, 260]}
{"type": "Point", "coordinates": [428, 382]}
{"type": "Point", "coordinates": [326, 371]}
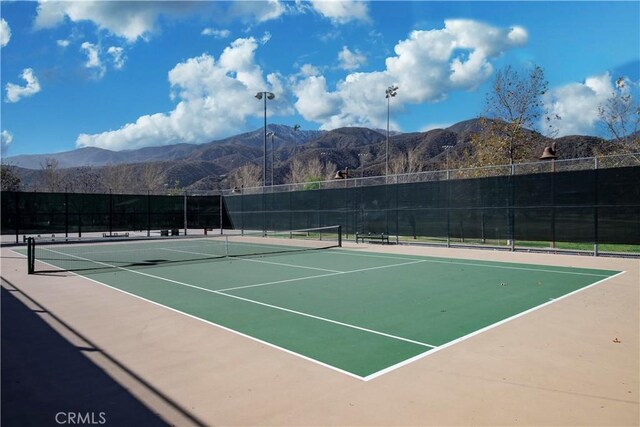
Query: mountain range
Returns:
{"type": "Point", "coordinates": [208, 166]}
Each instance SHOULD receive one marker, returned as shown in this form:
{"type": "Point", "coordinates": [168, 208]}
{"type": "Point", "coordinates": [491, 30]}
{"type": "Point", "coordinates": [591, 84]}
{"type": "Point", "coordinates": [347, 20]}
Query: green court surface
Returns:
{"type": "Point", "coordinates": [360, 313]}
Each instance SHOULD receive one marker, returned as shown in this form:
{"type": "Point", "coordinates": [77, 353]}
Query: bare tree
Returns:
{"type": "Point", "coordinates": [330, 170]}
{"type": "Point", "coordinates": [52, 175]}
{"type": "Point", "coordinates": [406, 162]}
{"type": "Point", "coordinates": [314, 170]}
{"type": "Point", "coordinates": [119, 179]}
{"type": "Point", "coordinates": [151, 177]}
{"type": "Point", "coordinates": [399, 163]}
{"type": "Point", "coordinates": [311, 170]}
{"type": "Point", "coordinates": [296, 171]}
{"type": "Point", "coordinates": [249, 175]}
{"type": "Point", "coordinates": [513, 106]}
{"type": "Point", "coordinates": [83, 180]}
{"type": "Point", "coordinates": [620, 115]}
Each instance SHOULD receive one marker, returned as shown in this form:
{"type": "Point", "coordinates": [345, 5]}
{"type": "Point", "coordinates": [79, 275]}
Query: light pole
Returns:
{"type": "Point", "coordinates": [446, 150]}
{"type": "Point", "coordinates": [265, 95]}
{"type": "Point", "coordinates": [390, 92]}
{"type": "Point", "coordinates": [272, 134]}
{"type": "Point", "coordinates": [362, 157]}
{"type": "Point", "coordinates": [296, 128]}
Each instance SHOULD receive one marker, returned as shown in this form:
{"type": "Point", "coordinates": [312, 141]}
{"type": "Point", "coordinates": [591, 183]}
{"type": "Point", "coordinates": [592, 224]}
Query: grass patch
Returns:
{"type": "Point", "coordinates": [570, 246]}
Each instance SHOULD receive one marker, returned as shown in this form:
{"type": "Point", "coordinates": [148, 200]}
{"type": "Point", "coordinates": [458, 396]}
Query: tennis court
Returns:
{"type": "Point", "coordinates": [358, 312]}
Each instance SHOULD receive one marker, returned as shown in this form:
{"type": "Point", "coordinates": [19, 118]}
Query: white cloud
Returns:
{"type": "Point", "coordinates": [426, 66]}
{"type": "Point", "coordinates": [342, 11]}
{"type": "Point", "coordinates": [63, 43]}
{"type": "Point", "coordinates": [5, 33]}
{"type": "Point", "coordinates": [129, 20]}
{"type": "Point", "coordinates": [351, 60]}
{"type": "Point", "coordinates": [214, 99]}
{"type": "Point", "coordinates": [309, 70]}
{"type": "Point", "coordinates": [93, 59]}
{"type": "Point", "coordinates": [265, 37]}
{"type": "Point", "coordinates": [118, 57]}
{"type": "Point", "coordinates": [317, 102]}
{"type": "Point", "coordinates": [219, 34]}
{"type": "Point", "coordinates": [577, 104]}
{"type": "Point", "coordinates": [15, 93]}
{"type": "Point", "coordinates": [259, 11]}
{"type": "Point", "coordinates": [5, 139]}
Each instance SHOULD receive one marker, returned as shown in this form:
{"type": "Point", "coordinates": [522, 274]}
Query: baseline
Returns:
{"type": "Point", "coordinates": [472, 264]}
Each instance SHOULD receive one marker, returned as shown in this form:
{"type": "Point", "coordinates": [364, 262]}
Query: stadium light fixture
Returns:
{"type": "Point", "coordinates": [390, 93]}
{"type": "Point", "coordinates": [259, 96]}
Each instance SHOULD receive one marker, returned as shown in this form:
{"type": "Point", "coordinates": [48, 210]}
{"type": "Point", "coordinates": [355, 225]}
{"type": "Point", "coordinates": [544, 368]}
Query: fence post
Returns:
{"type": "Point", "coordinates": [148, 213]}
{"type": "Point", "coordinates": [397, 217]}
{"type": "Point", "coordinates": [31, 255]}
{"type": "Point", "coordinates": [66, 212]}
{"type": "Point", "coordinates": [595, 208]}
{"type": "Point", "coordinates": [242, 210]}
{"type": "Point", "coordinates": [221, 212]}
{"type": "Point", "coordinates": [17, 218]}
{"type": "Point", "coordinates": [185, 212]}
{"type": "Point", "coordinates": [110, 212]}
{"type": "Point", "coordinates": [512, 208]}
{"type": "Point", "coordinates": [448, 212]}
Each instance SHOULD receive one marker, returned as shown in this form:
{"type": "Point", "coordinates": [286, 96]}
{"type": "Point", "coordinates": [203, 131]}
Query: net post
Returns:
{"type": "Point", "coordinates": [31, 255]}
{"type": "Point", "coordinates": [221, 194]}
{"type": "Point", "coordinates": [340, 236]}
{"type": "Point", "coordinates": [595, 211]}
{"type": "Point", "coordinates": [184, 209]}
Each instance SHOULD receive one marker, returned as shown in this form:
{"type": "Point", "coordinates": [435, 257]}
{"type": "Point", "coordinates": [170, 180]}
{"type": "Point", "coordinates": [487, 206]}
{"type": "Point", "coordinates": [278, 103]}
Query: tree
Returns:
{"type": "Point", "coordinates": [176, 190]}
{"type": "Point", "coordinates": [52, 176]}
{"type": "Point", "coordinates": [513, 106]}
{"type": "Point", "coordinates": [620, 116]}
{"type": "Point", "coordinates": [297, 171]}
{"type": "Point", "coordinates": [152, 176]}
{"type": "Point", "coordinates": [311, 170]}
{"type": "Point", "coordinates": [85, 180]}
{"type": "Point", "coordinates": [10, 181]}
{"type": "Point", "coordinates": [406, 162]}
{"type": "Point", "coordinates": [249, 175]}
{"type": "Point", "coordinates": [120, 179]}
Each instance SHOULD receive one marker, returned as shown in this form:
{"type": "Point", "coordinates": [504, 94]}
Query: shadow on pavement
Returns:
{"type": "Point", "coordinates": [46, 380]}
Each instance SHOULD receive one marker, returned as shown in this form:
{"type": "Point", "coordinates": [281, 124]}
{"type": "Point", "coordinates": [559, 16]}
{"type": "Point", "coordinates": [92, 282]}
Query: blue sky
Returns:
{"type": "Point", "coordinates": [124, 75]}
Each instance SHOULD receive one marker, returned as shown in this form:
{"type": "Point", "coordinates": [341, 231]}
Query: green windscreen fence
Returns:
{"type": "Point", "coordinates": [77, 213]}
{"type": "Point", "coordinates": [584, 206]}
{"type": "Point", "coordinates": [588, 206]}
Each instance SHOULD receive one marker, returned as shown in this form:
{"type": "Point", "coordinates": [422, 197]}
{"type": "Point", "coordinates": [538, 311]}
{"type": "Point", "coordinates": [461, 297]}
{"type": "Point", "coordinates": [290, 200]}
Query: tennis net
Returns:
{"type": "Point", "coordinates": [127, 253]}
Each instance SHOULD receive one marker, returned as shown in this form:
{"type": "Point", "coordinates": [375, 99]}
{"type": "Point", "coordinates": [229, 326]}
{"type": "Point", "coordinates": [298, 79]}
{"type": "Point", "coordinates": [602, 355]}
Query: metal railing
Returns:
{"type": "Point", "coordinates": [587, 163]}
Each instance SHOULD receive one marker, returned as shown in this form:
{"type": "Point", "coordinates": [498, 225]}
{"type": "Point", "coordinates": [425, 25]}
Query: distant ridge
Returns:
{"type": "Point", "coordinates": [211, 165]}
{"type": "Point", "coordinates": [93, 156]}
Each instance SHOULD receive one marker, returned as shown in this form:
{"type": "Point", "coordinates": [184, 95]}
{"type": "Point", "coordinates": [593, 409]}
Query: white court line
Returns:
{"type": "Point", "coordinates": [377, 374]}
{"type": "Point", "coordinates": [395, 337]}
{"type": "Point", "coordinates": [472, 264]}
{"type": "Point", "coordinates": [322, 275]}
{"type": "Point", "coordinates": [233, 331]}
{"type": "Point", "coordinates": [486, 328]}
{"type": "Point", "coordinates": [257, 260]}
{"type": "Point", "coordinates": [219, 292]}
{"type": "Point", "coordinates": [289, 265]}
